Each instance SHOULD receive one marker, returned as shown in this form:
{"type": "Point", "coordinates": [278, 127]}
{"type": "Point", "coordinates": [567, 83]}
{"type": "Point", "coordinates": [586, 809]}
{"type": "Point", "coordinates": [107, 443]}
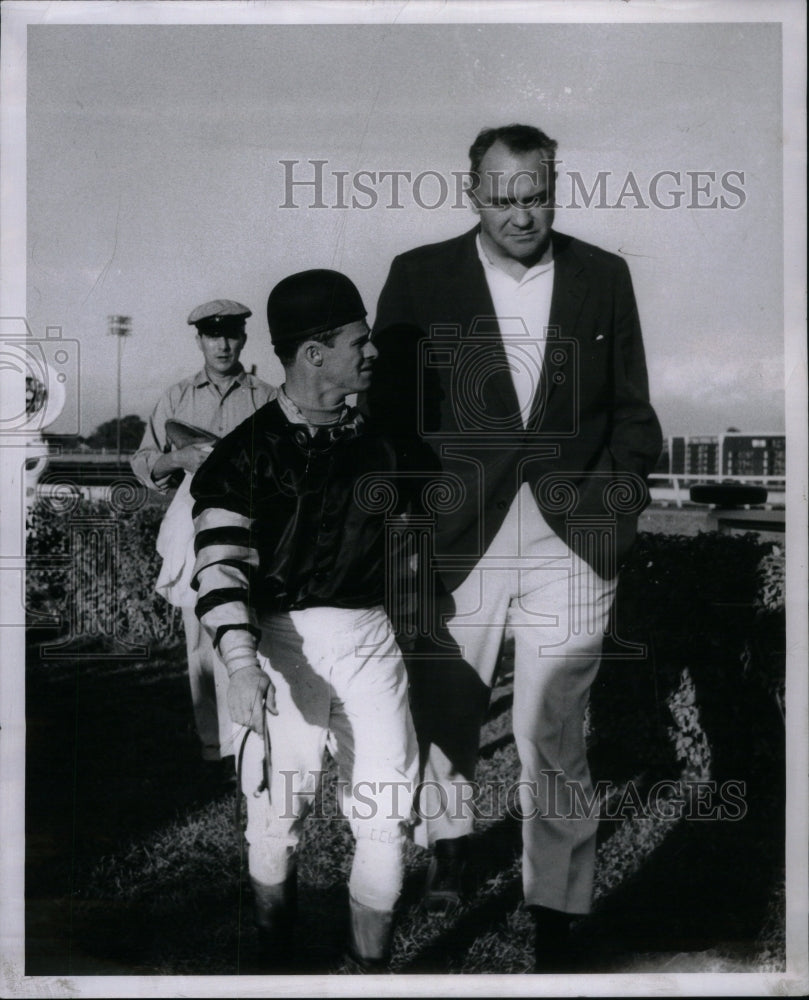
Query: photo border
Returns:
{"type": "Point", "coordinates": [16, 16]}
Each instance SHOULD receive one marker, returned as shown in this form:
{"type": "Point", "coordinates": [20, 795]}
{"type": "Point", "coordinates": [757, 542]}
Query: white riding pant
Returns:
{"type": "Point", "coordinates": [339, 681]}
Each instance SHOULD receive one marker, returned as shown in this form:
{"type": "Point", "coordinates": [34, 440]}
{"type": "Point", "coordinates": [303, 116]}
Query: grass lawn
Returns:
{"type": "Point", "coordinates": [134, 864]}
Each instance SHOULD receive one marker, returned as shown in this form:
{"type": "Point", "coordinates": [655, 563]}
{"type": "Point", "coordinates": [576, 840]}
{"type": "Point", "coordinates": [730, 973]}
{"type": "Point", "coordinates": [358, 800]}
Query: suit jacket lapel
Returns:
{"type": "Point", "coordinates": [481, 322]}
{"type": "Point", "coordinates": [570, 288]}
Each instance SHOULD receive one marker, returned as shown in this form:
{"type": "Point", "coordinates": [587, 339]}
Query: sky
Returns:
{"type": "Point", "coordinates": [155, 182]}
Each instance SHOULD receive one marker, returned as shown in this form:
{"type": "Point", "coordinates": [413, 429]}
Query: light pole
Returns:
{"type": "Point", "coordinates": [120, 327]}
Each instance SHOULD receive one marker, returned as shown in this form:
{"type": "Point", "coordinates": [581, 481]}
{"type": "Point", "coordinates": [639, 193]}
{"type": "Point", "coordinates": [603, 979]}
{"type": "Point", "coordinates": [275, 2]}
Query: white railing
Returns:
{"type": "Point", "coordinates": [104, 456]}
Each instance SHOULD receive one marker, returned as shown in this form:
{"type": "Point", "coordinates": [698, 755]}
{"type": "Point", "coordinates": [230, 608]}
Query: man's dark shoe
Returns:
{"type": "Point", "coordinates": [445, 876]}
{"type": "Point", "coordinates": [553, 951]}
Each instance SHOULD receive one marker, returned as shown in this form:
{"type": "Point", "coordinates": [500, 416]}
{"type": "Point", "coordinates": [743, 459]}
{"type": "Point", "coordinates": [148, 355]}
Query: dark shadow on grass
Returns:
{"type": "Point", "coordinates": [111, 755]}
{"type": "Point", "coordinates": [177, 927]}
{"type": "Point", "coordinates": [447, 950]}
{"type": "Point", "coordinates": [198, 931]}
{"type": "Point", "coordinates": [492, 851]}
{"type": "Point", "coordinates": [490, 749]}
{"type": "Point", "coordinates": [324, 928]}
{"type": "Point", "coordinates": [499, 705]}
{"type": "Point", "coordinates": [707, 886]}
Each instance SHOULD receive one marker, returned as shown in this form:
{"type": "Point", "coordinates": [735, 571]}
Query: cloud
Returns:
{"type": "Point", "coordinates": [734, 377]}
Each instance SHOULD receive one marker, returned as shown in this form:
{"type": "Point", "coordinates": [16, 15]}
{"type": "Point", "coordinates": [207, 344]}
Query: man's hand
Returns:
{"type": "Point", "coordinates": [248, 688]}
{"type": "Point", "coordinates": [189, 458]}
{"type": "Point", "coordinates": [193, 455]}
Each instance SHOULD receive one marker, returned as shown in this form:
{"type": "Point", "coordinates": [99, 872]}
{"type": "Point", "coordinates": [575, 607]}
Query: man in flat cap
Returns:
{"type": "Point", "coordinates": [291, 561]}
{"type": "Point", "coordinates": [187, 419]}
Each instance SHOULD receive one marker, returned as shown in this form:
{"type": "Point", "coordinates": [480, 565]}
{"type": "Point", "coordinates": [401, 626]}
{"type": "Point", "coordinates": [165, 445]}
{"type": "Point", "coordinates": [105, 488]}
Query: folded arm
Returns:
{"type": "Point", "coordinates": [155, 462]}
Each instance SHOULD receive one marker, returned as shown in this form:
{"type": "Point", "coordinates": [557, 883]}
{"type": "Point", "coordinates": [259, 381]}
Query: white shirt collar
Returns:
{"type": "Point", "coordinates": [493, 269]}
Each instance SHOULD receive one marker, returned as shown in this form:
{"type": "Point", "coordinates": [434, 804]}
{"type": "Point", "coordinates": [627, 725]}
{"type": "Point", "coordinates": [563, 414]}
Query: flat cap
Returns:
{"type": "Point", "coordinates": [218, 311]}
{"type": "Point", "coordinates": [312, 302]}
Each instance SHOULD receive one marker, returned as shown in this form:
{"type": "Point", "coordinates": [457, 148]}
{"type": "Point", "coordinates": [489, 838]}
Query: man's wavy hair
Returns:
{"type": "Point", "coordinates": [516, 138]}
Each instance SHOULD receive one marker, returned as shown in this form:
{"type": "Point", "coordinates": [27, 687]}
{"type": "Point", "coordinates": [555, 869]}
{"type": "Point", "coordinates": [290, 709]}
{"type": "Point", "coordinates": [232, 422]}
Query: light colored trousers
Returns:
{"type": "Point", "coordinates": [557, 608]}
{"type": "Point", "coordinates": [340, 682]}
{"type": "Point", "coordinates": [208, 678]}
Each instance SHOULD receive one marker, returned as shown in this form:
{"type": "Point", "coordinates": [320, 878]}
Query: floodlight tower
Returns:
{"type": "Point", "coordinates": [120, 327]}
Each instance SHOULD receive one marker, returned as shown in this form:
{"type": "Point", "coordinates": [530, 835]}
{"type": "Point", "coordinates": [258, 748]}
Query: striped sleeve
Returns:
{"type": "Point", "coordinates": [225, 558]}
{"type": "Point", "coordinates": [226, 549]}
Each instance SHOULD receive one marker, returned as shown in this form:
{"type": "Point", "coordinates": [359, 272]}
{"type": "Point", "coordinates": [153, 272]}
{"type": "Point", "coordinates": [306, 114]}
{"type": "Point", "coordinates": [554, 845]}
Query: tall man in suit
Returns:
{"type": "Point", "coordinates": [512, 367]}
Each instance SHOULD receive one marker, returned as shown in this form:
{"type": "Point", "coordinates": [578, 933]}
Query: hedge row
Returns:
{"type": "Point", "coordinates": [693, 602]}
{"type": "Point", "coordinates": [707, 612]}
{"type": "Point", "coordinates": [92, 567]}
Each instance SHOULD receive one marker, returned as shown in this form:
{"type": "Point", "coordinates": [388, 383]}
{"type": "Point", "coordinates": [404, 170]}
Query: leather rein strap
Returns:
{"type": "Point", "coordinates": [266, 774]}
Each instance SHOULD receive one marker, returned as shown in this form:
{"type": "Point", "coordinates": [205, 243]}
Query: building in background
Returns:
{"type": "Point", "coordinates": [753, 455]}
{"type": "Point", "coordinates": [731, 454]}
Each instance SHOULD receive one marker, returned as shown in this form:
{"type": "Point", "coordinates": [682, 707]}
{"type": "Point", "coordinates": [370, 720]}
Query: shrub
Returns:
{"type": "Point", "coordinates": [693, 699]}
{"type": "Point", "coordinates": [765, 651]}
{"type": "Point", "coordinates": [770, 574]}
{"type": "Point", "coordinates": [92, 566]}
{"type": "Point", "coordinates": [708, 608]}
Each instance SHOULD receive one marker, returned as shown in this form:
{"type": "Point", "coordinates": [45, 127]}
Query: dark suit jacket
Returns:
{"type": "Point", "coordinates": [443, 386]}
